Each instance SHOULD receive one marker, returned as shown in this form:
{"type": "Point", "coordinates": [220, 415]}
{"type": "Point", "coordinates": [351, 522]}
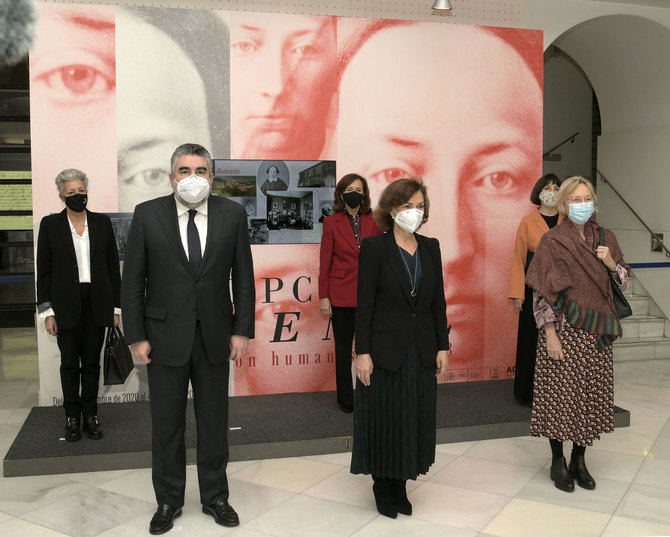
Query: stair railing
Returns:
{"type": "Point", "coordinates": [654, 236]}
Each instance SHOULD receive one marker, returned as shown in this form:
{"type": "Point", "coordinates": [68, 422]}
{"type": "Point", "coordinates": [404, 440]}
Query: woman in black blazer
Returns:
{"type": "Point", "coordinates": [402, 342]}
{"type": "Point", "coordinates": [78, 295]}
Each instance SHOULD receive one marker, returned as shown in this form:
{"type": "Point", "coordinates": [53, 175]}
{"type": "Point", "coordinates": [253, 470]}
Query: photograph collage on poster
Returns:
{"type": "Point", "coordinates": [285, 200]}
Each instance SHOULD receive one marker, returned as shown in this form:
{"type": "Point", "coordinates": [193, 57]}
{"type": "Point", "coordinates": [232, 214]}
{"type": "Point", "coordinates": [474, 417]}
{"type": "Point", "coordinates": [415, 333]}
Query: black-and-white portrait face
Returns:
{"type": "Point", "coordinates": [168, 94]}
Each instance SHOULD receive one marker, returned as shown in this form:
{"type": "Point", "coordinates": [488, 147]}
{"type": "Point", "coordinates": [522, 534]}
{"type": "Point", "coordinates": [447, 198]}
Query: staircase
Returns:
{"type": "Point", "coordinates": [646, 334]}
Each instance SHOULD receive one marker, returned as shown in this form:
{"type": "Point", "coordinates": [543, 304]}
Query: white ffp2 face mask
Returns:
{"type": "Point", "coordinates": [409, 219]}
{"type": "Point", "coordinates": [193, 189]}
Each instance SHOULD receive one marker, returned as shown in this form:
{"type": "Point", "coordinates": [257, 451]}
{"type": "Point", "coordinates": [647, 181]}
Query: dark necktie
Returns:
{"type": "Point", "coordinates": [194, 252]}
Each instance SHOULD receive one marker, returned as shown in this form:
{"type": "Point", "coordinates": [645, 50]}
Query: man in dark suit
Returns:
{"type": "Point", "coordinates": [179, 319]}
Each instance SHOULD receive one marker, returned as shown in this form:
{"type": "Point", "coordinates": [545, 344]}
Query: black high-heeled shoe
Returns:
{"type": "Point", "coordinates": [402, 503]}
{"type": "Point", "coordinates": [382, 488]}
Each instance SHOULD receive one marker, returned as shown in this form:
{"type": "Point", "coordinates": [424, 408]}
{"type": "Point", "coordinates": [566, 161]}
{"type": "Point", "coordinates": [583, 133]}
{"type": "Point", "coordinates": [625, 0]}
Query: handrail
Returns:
{"type": "Point", "coordinates": [563, 142]}
{"type": "Point", "coordinates": [660, 241]}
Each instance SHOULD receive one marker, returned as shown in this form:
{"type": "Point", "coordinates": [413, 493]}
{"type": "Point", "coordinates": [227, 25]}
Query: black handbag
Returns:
{"type": "Point", "coordinates": [118, 362]}
{"type": "Point", "coordinates": [621, 305]}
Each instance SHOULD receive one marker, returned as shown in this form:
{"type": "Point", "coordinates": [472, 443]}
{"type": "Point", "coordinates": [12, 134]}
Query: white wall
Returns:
{"type": "Point", "coordinates": [567, 109]}
{"type": "Point", "coordinates": [637, 163]}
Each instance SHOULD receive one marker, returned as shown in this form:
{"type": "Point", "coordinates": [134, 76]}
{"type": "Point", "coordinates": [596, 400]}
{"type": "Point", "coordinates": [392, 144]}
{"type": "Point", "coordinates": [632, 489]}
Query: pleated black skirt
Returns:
{"type": "Point", "coordinates": [526, 346]}
{"type": "Point", "coordinates": [394, 421]}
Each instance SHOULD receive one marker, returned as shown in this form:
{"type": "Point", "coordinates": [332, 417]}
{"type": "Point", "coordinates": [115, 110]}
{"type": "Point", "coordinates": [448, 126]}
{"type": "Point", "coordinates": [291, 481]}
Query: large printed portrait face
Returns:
{"type": "Point", "coordinates": [73, 102]}
{"type": "Point", "coordinates": [172, 88]}
{"type": "Point", "coordinates": [282, 85]}
{"type": "Point", "coordinates": [416, 102]}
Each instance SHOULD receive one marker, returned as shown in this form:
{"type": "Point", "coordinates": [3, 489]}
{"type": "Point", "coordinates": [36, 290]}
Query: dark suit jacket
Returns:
{"type": "Point", "coordinates": [338, 267]}
{"type": "Point", "coordinates": [58, 274]}
{"type": "Point", "coordinates": [162, 298]}
{"type": "Point", "coordinates": [387, 320]}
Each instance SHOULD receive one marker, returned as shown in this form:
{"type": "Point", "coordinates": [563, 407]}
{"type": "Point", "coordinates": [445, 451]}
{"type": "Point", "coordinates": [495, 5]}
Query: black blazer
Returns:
{"type": "Point", "coordinates": [162, 298]}
{"type": "Point", "coordinates": [387, 320]}
{"type": "Point", "coordinates": [58, 274]}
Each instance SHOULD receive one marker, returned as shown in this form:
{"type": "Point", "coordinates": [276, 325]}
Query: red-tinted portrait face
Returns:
{"type": "Point", "coordinates": [288, 313]}
{"type": "Point", "coordinates": [459, 108]}
{"type": "Point", "coordinates": [282, 85]}
{"type": "Point", "coordinates": [73, 103]}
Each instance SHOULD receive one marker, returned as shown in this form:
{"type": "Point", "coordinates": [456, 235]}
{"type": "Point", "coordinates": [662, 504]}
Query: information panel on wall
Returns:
{"type": "Point", "coordinates": [115, 89]}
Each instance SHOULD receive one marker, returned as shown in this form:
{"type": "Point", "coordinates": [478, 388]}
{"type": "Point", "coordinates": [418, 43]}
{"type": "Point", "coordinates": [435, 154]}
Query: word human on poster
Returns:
{"type": "Point", "coordinates": [287, 104]}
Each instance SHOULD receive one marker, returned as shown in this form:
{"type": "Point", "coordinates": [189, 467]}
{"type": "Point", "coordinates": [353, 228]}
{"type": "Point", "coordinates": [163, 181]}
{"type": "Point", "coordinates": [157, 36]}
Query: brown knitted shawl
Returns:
{"type": "Point", "coordinates": [567, 273]}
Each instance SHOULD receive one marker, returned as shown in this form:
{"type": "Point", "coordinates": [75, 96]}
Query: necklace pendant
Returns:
{"type": "Point", "coordinates": [412, 293]}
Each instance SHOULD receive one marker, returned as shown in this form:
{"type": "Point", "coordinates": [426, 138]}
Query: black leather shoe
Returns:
{"type": "Point", "coordinates": [92, 427]}
{"type": "Point", "coordinates": [72, 429]}
{"type": "Point", "coordinates": [383, 489]}
{"type": "Point", "coordinates": [401, 501]}
{"type": "Point", "coordinates": [163, 519]}
{"type": "Point", "coordinates": [561, 476]}
{"type": "Point", "coordinates": [223, 513]}
{"type": "Point", "coordinates": [346, 409]}
{"type": "Point", "coordinates": [580, 473]}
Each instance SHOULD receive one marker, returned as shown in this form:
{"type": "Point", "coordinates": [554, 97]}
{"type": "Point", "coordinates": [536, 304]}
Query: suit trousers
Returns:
{"type": "Point", "coordinates": [343, 331]}
{"type": "Point", "coordinates": [80, 360]}
{"type": "Point", "coordinates": [168, 389]}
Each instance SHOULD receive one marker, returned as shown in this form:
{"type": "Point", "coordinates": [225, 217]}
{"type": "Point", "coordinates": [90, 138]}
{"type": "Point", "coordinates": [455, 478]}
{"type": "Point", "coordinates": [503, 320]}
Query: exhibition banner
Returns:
{"type": "Point", "coordinates": [287, 104]}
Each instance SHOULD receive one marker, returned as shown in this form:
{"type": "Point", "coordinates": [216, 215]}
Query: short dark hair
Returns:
{"type": "Point", "coordinates": [342, 185]}
{"type": "Point", "coordinates": [543, 181]}
{"type": "Point", "coordinates": [398, 193]}
{"type": "Point", "coordinates": [190, 149]}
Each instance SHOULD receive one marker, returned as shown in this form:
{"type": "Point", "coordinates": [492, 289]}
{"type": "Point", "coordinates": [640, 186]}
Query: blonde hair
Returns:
{"type": "Point", "coordinates": [566, 190]}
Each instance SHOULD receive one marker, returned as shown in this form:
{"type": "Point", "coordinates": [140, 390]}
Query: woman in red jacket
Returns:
{"type": "Point", "coordinates": [343, 232]}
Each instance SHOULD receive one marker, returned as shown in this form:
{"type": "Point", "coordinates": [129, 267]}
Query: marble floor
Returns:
{"type": "Point", "coordinates": [489, 488]}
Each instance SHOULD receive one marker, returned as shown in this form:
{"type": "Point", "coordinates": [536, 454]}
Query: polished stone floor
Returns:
{"type": "Point", "coordinates": [488, 488]}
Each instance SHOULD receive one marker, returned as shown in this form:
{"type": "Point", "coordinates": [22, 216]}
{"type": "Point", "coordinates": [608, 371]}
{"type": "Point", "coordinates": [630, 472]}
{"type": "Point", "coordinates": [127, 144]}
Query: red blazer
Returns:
{"type": "Point", "coordinates": [338, 267]}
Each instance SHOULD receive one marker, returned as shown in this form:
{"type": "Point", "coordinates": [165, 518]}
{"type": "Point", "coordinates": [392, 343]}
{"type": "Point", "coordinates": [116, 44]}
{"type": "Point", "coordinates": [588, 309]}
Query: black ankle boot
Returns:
{"type": "Point", "coordinates": [580, 473]}
{"type": "Point", "coordinates": [560, 475]}
{"type": "Point", "coordinates": [401, 501]}
{"type": "Point", "coordinates": [72, 429]}
{"type": "Point", "coordinates": [384, 496]}
{"type": "Point", "coordinates": [92, 427]}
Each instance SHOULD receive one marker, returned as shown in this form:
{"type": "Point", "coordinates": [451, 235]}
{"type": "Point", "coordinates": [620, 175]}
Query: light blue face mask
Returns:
{"type": "Point", "coordinates": [580, 213]}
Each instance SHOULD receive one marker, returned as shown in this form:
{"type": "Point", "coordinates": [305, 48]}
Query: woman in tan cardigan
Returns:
{"type": "Point", "coordinates": [530, 231]}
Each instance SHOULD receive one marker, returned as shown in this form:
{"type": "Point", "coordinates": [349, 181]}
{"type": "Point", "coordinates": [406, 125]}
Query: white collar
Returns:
{"type": "Point", "coordinates": [182, 209]}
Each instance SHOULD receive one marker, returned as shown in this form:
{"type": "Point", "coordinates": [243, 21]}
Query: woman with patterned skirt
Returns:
{"type": "Point", "coordinates": [573, 395]}
{"type": "Point", "coordinates": [402, 341]}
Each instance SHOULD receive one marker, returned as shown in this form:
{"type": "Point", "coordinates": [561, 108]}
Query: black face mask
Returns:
{"type": "Point", "coordinates": [352, 199]}
{"type": "Point", "coordinates": [76, 202]}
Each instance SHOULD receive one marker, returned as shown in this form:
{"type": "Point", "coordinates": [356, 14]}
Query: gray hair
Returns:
{"type": "Point", "coordinates": [191, 149]}
{"type": "Point", "coordinates": [71, 174]}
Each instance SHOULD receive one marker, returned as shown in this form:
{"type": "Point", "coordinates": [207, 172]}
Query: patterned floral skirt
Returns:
{"type": "Point", "coordinates": [573, 398]}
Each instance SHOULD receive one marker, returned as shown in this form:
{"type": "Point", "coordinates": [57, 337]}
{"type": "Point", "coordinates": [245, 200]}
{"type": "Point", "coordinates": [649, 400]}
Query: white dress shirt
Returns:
{"type": "Point", "coordinates": [82, 251]}
{"type": "Point", "coordinates": [200, 224]}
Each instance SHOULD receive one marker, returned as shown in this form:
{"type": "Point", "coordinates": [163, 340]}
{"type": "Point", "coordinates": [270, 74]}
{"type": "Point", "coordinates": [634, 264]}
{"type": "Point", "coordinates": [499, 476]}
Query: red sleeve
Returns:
{"type": "Point", "coordinates": [325, 258]}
